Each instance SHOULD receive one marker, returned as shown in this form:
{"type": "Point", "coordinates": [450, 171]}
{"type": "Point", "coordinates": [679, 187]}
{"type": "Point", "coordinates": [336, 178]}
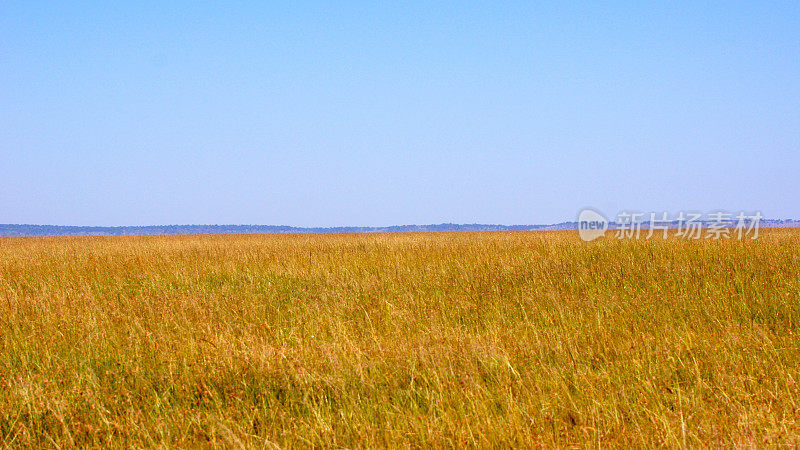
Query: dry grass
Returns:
{"type": "Point", "coordinates": [451, 339]}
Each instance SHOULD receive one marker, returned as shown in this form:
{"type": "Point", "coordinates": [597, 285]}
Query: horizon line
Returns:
{"type": "Point", "coordinates": [763, 219]}
{"type": "Point", "coordinates": [36, 230]}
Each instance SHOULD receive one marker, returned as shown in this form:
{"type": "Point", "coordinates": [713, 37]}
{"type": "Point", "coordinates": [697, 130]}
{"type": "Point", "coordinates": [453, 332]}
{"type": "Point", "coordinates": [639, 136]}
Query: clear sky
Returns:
{"type": "Point", "coordinates": [370, 113]}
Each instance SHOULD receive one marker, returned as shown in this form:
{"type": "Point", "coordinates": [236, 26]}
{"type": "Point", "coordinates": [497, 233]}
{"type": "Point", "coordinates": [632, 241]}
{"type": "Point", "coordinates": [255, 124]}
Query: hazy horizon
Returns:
{"type": "Point", "coordinates": [394, 225]}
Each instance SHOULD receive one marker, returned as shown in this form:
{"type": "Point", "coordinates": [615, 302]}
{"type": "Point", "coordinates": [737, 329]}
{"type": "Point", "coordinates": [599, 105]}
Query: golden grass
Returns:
{"type": "Point", "coordinates": [450, 339]}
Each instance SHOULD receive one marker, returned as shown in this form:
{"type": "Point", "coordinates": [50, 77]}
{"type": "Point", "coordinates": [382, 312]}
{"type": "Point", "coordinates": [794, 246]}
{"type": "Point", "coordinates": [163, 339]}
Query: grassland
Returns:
{"type": "Point", "coordinates": [451, 339]}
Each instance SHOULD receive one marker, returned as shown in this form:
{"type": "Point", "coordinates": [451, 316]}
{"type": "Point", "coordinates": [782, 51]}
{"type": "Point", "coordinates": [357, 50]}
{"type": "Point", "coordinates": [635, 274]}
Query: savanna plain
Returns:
{"type": "Point", "coordinates": [399, 340]}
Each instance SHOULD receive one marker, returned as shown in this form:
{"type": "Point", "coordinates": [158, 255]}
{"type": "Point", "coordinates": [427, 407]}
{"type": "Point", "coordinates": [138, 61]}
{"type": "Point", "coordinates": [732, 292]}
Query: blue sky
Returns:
{"type": "Point", "coordinates": [365, 113]}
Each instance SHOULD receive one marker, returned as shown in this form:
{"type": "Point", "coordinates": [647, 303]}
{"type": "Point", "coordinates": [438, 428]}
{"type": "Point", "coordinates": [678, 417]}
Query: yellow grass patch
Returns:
{"type": "Point", "coordinates": [420, 339]}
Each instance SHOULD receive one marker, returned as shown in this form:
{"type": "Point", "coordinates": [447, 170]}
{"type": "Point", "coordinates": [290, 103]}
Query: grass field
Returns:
{"type": "Point", "coordinates": [451, 339]}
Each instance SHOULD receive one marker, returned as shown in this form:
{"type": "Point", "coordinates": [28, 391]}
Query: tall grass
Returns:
{"type": "Point", "coordinates": [450, 339]}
